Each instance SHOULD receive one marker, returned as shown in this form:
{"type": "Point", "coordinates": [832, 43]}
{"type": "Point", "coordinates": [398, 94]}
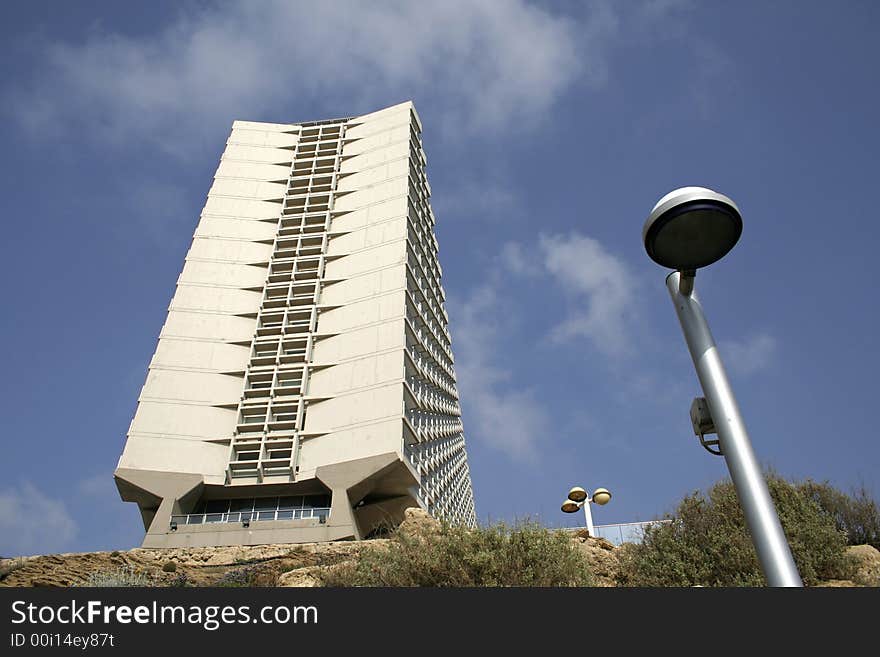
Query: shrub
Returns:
{"type": "Point", "coordinates": [856, 515]}
{"type": "Point", "coordinates": [180, 581]}
{"type": "Point", "coordinates": [236, 578]}
{"type": "Point", "coordinates": [453, 556]}
{"type": "Point", "coordinates": [126, 576]}
{"type": "Point", "coordinates": [169, 567]}
{"type": "Point", "coordinates": [707, 543]}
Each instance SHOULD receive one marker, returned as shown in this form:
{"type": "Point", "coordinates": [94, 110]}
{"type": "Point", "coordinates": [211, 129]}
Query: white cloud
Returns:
{"type": "Point", "coordinates": [99, 485]}
{"type": "Point", "coordinates": [748, 356]}
{"type": "Point", "coordinates": [33, 523]}
{"type": "Point", "coordinates": [598, 284]}
{"type": "Point", "coordinates": [483, 64]}
{"type": "Point", "coordinates": [601, 289]}
{"type": "Point", "coordinates": [483, 200]}
{"type": "Point", "coordinates": [517, 260]}
{"type": "Point", "coordinates": [501, 412]}
{"type": "Point", "coordinates": [506, 412]}
{"type": "Point", "coordinates": [600, 309]}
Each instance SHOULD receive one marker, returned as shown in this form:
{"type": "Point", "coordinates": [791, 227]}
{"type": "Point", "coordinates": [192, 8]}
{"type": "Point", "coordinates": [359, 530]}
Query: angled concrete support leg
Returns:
{"type": "Point", "coordinates": [159, 495]}
{"type": "Point", "coordinates": [384, 483]}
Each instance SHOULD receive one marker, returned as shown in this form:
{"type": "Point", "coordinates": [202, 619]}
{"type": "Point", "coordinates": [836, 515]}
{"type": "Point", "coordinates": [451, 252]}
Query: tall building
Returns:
{"type": "Point", "coordinates": [303, 387]}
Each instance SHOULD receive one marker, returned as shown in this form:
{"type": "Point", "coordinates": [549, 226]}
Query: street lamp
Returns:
{"type": "Point", "coordinates": [577, 499]}
{"type": "Point", "coordinates": [690, 228]}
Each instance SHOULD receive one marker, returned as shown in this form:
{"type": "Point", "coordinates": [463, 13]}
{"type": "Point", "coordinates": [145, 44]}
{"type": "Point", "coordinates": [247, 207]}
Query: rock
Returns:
{"type": "Point", "coordinates": [258, 565]}
{"type": "Point", "coordinates": [301, 577]}
{"type": "Point", "coordinates": [602, 555]}
{"type": "Point", "coordinates": [418, 524]}
{"type": "Point", "coordinates": [836, 583]}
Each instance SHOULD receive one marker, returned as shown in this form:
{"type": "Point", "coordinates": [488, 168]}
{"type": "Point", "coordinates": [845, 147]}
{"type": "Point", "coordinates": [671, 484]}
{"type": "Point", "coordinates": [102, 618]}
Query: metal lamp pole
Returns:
{"type": "Point", "coordinates": [754, 496]}
{"type": "Point", "coordinates": [589, 516]}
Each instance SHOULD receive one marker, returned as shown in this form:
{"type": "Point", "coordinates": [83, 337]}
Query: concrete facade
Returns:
{"type": "Point", "coordinates": [303, 386]}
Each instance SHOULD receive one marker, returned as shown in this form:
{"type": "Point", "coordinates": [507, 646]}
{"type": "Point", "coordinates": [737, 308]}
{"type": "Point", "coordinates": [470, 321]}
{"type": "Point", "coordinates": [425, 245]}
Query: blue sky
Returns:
{"type": "Point", "coordinates": [551, 131]}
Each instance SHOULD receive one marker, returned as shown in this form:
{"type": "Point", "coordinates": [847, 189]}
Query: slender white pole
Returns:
{"type": "Point", "coordinates": [589, 516]}
{"type": "Point", "coordinates": [751, 488]}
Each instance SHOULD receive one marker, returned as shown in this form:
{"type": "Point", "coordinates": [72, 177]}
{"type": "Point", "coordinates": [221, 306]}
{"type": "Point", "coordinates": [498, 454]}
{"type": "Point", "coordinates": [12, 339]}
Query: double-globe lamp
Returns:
{"type": "Point", "coordinates": [578, 498]}
{"type": "Point", "coordinates": [688, 229]}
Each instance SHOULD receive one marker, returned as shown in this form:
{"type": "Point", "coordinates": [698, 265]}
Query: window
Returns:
{"type": "Point", "coordinates": [316, 501]}
{"type": "Point", "coordinates": [216, 506]}
{"type": "Point", "coordinates": [294, 502]}
{"type": "Point", "coordinates": [261, 508]}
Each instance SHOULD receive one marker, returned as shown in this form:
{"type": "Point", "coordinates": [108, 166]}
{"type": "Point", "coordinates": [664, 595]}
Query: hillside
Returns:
{"type": "Point", "coordinates": [285, 565]}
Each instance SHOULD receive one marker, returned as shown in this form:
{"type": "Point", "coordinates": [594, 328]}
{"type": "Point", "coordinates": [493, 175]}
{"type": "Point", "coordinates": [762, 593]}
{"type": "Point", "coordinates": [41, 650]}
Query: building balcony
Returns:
{"type": "Point", "coordinates": [321, 514]}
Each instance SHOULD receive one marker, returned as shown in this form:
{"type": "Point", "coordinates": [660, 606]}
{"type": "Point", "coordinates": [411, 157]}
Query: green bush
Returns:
{"type": "Point", "coordinates": [707, 543]}
{"type": "Point", "coordinates": [454, 556]}
{"type": "Point", "coordinates": [856, 515]}
{"type": "Point", "coordinates": [169, 567]}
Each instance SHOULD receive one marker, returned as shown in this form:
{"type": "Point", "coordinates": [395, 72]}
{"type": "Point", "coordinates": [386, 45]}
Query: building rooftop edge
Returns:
{"type": "Point", "coordinates": [344, 119]}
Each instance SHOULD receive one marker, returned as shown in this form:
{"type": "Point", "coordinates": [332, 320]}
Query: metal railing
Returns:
{"type": "Point", "coordinates": [251, 516]}
{"type": "Point", "coordinates": [624, 532]}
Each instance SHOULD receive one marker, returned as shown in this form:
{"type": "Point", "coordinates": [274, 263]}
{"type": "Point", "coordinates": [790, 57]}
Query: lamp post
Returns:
{"type": "Point", "coordinates": [690, 228]}
{"type": "Point", "coordinates": [577, 499]}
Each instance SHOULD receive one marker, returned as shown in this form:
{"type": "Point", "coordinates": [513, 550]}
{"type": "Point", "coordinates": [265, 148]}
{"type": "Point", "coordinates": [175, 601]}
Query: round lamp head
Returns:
{"type": "Point", "coordinates": [577, 494]}
{"type": "Point", "coordinates": [601, 496]}
{"type": "Point", "coordinates": [570, 507]}
{"type": "Point", "coordinates": [691, 227]}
